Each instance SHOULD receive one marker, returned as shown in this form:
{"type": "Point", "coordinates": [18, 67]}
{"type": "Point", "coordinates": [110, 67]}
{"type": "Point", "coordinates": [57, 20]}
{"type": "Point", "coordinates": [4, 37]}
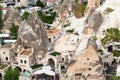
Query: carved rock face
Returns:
{"type": "Point", "coordinates": [11, 16]}
{"type": "Point", "coordinates": [95, 21]}
{"type": "Point", "coordinates": [32, 34]}
{"type": "Point", "coordinates": [91, 6]}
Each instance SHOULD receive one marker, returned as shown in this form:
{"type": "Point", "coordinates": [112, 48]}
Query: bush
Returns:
{"type": "Point", "coordinates": [109, 10]}
{"type": "Point", "coordinates": [55, 53]}
{"type": "Point", "coordinates": [116, 53]}
{"type": "Point", "coordinates": [100, 50]}
{"type": "Point", "coordinates": [39, 3]}
{"type": "Point", "coordinates": [36, 66]}
{"type": "Point", "coordinates": [47, 19]}
{"type": "Point", "coordinates": [95, 38]}
{"type": "Point", "coordinates": [12, 74]}
{"type": "Point", "coordinates": [79, 9]}
{"type": "Point", "coordinates": [62, 67]}
{"type": "Point", "coordinates": [66, 25]}
{"type": "Point", "coordinates": [14, 31]}
{"type": "Point", "coordinates": [3, 66]}
{"type": "Point", "coordinates": [111, 34]}
{"type": "Point", "coordinates": [1, 20]}
{"type": "Point", "coordinates": [115, 78]}
{"type": "Point", "coordinates": [70, 30]}
{"type": "Point", "coordinates": [22, 7]}
{"type": "Point", "coordinates": [25, 15]}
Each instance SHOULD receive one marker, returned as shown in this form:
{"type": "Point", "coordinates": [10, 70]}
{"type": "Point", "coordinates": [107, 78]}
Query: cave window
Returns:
{"type": "Point", "coordinates": [62, 59]}
{"type": "Point", "coordinates": [21, 61]}
{"type": "Point", "coordinates": [25, 47]}
{"type": "Point", "coordinates": [87, 58]}
{"type": "Point", "coordinates": [6, 58]}
{"type": "Point", "coordinates": [3, 52]}
{"type": "Point", "coordinates": [25, 61]}
{"type": "Point", "coordinates": [89, 69]}
{"type": "Point", "coordinates": [65, 6]}
{"type": "Point", "coordinates": [50, 40]}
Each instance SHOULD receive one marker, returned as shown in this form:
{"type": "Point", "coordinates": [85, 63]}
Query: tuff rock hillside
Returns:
{"type": "Point", "coordinates": [92, 5]}
{"type": "Point", "coordinates": [11, 17]}
{"type": "Point", "coordinates": [32, 34]}
{"type": "Point", "coordinates": [66, 8]}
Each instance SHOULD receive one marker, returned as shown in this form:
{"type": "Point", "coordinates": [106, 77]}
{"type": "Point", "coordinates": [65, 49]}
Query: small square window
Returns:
{"type": "Point", "coordinates": [3, 52]}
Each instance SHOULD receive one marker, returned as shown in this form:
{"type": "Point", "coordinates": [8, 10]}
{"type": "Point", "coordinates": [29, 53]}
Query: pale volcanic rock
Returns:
{"type": "Point", "coordinates": [91, 6]}
{"type": "Point", "coordinates": [32, 34]}
{"type": "Point", "coordinates": [87, 64]}
{"type": "Point", "coordinates": [95, 21]}
{"type": "Point", "coordinates": [11, 17]}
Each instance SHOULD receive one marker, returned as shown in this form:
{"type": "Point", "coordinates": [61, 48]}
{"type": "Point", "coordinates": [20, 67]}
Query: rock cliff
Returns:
{"type": "Point", "coordinates": [32, 34]}
{"type": "Point", "coordinates": [95, 21]}
{"type": "Point", "coordinates": [91, 6]}
{"type": "Point", "coordinates": [87, 64]}
{"type": "Point", "coordinates": [66, 9]}
{"type": "Point", "coordinates": [11, 17]}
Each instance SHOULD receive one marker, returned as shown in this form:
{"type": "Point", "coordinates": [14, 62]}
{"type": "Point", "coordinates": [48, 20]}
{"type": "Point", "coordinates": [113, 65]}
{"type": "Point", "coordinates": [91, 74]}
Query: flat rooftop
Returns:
{"type": "Point", "coordinates": [53, 32]}
{"type": "Point", "coordinates": [26, 53]}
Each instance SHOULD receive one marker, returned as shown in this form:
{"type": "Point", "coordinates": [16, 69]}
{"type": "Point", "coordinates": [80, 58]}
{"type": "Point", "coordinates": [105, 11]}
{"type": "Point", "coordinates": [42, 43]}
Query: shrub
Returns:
{"type": "Point", "coordinates": [25, 15]}
{"type": "Point", "coordinates": [95, 38]}
{"type": "Point", "coordinates": [22, 7]}
{"type": "Point", "coordinates": [46, 18]}
{"type": "Point", "coordinates": [70, 30]}
{"type": "Point", "coordinates": [12, 74]}
{"type": "Point", "coordinates": [109, 10]}
{"type": "Point", "coordinates": [55, 53]}
{"type": "Point", "coordinates": [62, 67]}
{"type": "Point", "coordinates": [36, 66]}
{"type": "Point", "coordinates": [14, 31]}
{"type": "Point", "coordinates": [66, 25]}
{"type": "Point", "coordinates": [100, 50]}
{"type": "Point", "coordinates": [79, 9]}
{"type": "Point", "coordinates": [116, 53]}
{"type": "Point", "coordinates": [39, 3]}
{"type": "Point", "coordinates": [111, 34]}
{"type": "Point", "coordinates": [1, 20]}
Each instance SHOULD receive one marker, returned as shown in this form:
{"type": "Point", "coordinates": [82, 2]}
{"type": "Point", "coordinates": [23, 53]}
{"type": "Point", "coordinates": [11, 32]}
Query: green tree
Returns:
{"type": "Point", "coordinates": [115, 78]}
{"type": "Point", "coordinates": [47, 18]}
{"type": "Point", "coordinates": [18, 0]}
{"type": "Point", "coordinates": [14, 31]}
{"type": "Point", "coordinates": [39, 3]}
{"type": "Point", "coordinates": [25, 15]}
{"type": "Point", "coordinates": [13, 0]}
{"type": "Point", "coordinates": [1, 20]}
{"type": "Point", "coordinates": [12, 74]}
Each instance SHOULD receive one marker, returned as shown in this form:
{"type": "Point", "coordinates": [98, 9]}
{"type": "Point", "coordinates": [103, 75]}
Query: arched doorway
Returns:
{"type": "Point", "coordinates": [0, 76]}
{"type": "Point", "coordinates": [51, 63]}
{"type": "Point", "coordinates": [20, 70]}
{"type": "Point", "coordinates": [24, 70]}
